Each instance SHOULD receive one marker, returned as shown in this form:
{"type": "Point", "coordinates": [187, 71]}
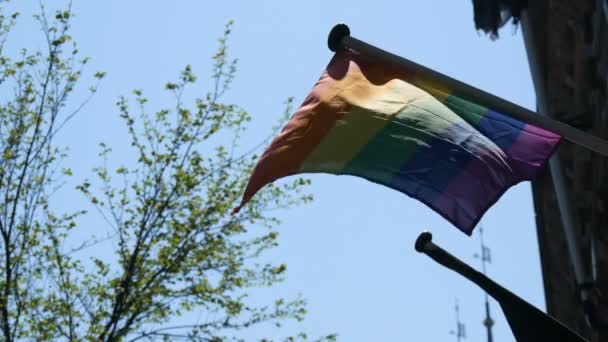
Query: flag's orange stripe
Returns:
{"type": "Point", "coordinates": [311, 123]}
{"type": "Point", "coordinates": [373, 107]}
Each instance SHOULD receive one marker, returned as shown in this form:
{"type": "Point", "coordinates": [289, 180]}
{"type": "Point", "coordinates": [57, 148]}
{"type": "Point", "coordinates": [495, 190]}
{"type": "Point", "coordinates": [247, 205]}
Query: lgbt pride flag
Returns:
{"type": "Point", "coordinates": [393, 127]}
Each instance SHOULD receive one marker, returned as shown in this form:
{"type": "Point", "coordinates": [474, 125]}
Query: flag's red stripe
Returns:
{"type": "Point", "coordinates": [309, 125]}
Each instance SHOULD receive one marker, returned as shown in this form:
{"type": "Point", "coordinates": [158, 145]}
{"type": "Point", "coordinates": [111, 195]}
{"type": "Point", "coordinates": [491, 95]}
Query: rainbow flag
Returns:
{"type": "Point", "coordinates": [393, 127]}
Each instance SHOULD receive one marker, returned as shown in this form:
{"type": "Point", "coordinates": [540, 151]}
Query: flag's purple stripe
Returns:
{"type": "Point", "coordinates": [430, 172]}
{"type": "Point", "coordinates": [529, 152]}
{"type": "Point", "coordinates": [470, 194]}
{"type": "Point", "coordinates": [526, 146]}
{"type": "Point", "coordinates": [526, 156]}
{"type": "Point", "coordinates": [462, 185]}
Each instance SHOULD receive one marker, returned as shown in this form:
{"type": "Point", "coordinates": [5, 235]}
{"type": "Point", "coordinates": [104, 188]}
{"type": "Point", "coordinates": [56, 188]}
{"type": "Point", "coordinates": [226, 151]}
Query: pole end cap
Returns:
{"type": "Point", "coordinates": [336, 34]}
{"type": "Point", "coordinates": [423, 239]}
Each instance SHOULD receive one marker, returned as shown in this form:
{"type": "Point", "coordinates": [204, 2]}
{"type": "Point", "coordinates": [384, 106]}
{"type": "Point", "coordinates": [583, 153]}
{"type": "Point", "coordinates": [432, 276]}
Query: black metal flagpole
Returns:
{"type": "Point", "coordinates": [339, 38]}
{"type": "Point", "coordinates": [528, 323]}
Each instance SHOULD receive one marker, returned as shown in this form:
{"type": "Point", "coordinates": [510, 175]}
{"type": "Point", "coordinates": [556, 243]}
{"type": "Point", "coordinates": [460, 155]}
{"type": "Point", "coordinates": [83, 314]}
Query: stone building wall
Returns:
{"type": "Point", "coordinates": [572, 45]}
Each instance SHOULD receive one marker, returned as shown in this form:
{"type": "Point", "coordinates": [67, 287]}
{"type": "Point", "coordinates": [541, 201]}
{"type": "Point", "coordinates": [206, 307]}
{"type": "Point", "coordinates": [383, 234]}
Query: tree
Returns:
{"type": "Point", "coordinates": [177, 249]}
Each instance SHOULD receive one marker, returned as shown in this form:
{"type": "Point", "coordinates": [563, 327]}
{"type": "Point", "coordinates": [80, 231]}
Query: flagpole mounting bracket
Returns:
{"type": "Point", "coordinates": [337, 33]}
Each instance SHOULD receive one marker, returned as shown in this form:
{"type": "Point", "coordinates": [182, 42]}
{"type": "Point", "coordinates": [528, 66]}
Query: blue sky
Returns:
{"type": "Point", "coordinates": [350, 253]}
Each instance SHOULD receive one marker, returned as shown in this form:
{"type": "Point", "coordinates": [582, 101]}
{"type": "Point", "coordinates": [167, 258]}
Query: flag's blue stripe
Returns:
{"type": "Point", "coordinates": [429, 171]}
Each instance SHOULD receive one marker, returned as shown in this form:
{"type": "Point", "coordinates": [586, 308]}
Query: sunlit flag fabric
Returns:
{"type": "Point", "coordinates": [393, 127]}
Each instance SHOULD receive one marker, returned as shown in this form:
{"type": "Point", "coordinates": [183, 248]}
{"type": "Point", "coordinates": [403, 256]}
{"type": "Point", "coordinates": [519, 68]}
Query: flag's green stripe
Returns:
{"type": "Point", "coordinates": [382, 157]}
{"type": "Point", "coordinates": [409, 131]}
{"type": "Point", "coordinates": [347, 137]}
{"type": "Point", "coordinates": [470, 112]}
